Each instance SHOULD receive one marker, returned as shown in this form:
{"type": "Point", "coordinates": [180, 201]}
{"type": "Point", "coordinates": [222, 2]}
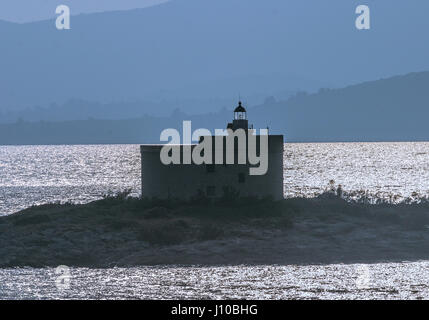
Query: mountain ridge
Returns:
{"type": "Point", "coordinates": [165, 51]}
{"type": "Point", "coordinates": [393, 109]}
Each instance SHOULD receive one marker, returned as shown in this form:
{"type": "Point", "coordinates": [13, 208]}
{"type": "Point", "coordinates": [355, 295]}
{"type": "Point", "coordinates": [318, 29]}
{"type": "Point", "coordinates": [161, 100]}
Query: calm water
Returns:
{"type": "Point", "coordinates": [378, 281]}
{"type": "Point", "coordinates": [38, 174]}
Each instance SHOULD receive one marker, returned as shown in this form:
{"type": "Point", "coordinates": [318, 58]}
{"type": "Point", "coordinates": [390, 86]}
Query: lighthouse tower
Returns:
{"type": "Point", "coordinates": [186, 181]}
{"type": "Point", "coordinates": [240, 118]}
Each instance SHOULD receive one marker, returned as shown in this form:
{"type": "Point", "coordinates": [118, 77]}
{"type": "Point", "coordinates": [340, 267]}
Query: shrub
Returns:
{"type": "Point", "coordinates": [210, 232]}
{"type": "Point", "coordinates": [163, 233]}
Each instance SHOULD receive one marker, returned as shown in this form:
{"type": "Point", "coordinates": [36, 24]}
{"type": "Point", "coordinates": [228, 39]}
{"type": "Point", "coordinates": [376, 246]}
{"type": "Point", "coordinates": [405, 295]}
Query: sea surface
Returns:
{"type": "Point", "coordinates": [32, 175]}
{"type": "Point", "coordinates": [377, 281]}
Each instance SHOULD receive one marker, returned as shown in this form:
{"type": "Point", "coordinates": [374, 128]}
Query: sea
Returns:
{"type": "Point", "coordinates": [34, 175]}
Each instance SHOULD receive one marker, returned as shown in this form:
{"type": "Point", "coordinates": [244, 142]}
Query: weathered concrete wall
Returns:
{"type": "Point", "coordinates": [185, 180]}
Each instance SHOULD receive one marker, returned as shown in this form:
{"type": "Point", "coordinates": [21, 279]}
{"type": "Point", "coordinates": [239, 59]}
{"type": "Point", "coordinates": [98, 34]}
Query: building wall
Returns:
{"type": "Point", "coordinates": [183, 181]}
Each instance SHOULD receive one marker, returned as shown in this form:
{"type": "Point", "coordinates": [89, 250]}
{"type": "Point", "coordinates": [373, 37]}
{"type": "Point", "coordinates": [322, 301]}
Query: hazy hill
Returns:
{"type": "Point", "coordinates": [394, 109]}
{"type": "Point", "coordinates": [13, 10]}
{"type": "Point", "coordinates": [208, 49]}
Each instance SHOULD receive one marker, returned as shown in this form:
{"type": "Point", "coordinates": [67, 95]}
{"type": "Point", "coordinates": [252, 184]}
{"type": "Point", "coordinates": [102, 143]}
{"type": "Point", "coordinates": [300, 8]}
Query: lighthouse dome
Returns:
{"type": "Point", "coordinates": [240, 108]}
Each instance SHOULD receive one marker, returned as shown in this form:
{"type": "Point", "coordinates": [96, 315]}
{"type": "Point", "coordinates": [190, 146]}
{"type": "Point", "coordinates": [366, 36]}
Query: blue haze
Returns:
{"type": "Point", "coordinates": [209, 49]}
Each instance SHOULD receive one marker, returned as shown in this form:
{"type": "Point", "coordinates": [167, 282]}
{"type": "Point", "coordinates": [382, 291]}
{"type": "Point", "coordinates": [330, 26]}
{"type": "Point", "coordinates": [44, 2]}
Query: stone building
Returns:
{"type": "Point", "coordinates": [185, 181]}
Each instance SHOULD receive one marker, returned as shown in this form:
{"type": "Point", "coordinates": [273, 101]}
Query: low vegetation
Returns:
{"type": "Point", "coordinates": [121, 230]}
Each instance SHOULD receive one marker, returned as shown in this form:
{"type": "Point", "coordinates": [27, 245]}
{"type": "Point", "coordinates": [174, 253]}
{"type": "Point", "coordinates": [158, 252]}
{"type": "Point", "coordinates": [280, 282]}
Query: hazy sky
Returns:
{"type": "Point", "coordinates": [33, 10]}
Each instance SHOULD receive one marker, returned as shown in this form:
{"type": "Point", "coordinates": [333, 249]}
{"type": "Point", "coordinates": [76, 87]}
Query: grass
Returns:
{"type": "Point", "coordinates": [155, 221]}
{"type": "Point", "coordinates": [174, 221]}
{"type": "Point", "coordinates": [119, 226]}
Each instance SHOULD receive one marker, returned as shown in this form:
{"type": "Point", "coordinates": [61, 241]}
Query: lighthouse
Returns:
{"type": "Point", "coordinates": [187, 180]}
{"type": "Point", "coordinates": [240, 118]}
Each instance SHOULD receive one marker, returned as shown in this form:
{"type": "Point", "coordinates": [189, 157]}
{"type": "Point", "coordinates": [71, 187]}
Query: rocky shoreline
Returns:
{"type": "Point", "coordinates": [121, 231]}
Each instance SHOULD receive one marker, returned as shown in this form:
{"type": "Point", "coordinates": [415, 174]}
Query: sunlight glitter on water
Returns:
{"type": "Point", "coordinates": [32, 175]}
{"type": "Point", "coordinates": [39, 174]}
{"type": "Point", "coordinates": [380, 281]}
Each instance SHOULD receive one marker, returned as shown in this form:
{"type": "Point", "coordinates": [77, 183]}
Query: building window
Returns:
{"type": "Point", "coordinates": [211, 191]}
{"type": "Point", "coordinates": [241, 178]}
{"type": "Point", "coordinates": [210, 168]}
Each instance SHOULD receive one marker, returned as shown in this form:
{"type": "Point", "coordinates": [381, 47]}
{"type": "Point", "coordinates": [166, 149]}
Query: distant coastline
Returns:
{"type": "Point", "coordinates": [390, 110]}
